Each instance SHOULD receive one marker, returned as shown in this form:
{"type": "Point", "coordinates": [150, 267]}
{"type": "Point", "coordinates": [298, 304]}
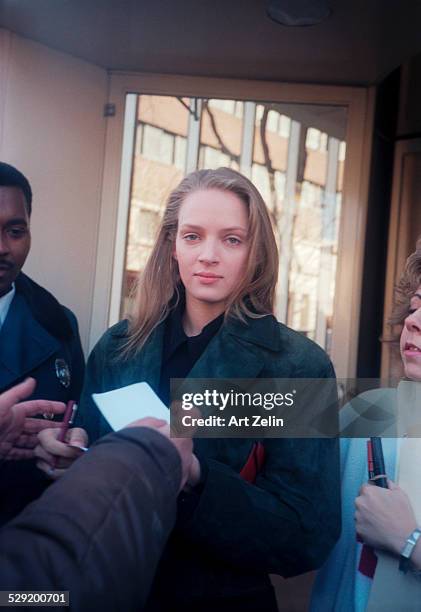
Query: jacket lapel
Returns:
{"type": "Point", "coordinates": [24, 343]}
{"type": "Point", "coordinates": [146, 365]}
{"type": "Point", "coordinates": [239, 350]}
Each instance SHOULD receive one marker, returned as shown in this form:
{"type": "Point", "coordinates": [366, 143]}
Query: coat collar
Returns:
{"type": "Point", "coordinates": [24, 343]}
{"type": "Point", "coordinates": [238, 350]}
{"type": "Point", "coordinates": [263, 332]}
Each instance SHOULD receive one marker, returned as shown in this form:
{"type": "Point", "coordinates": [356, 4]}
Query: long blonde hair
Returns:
{"type": "Point", "coordinates": [158, 287]}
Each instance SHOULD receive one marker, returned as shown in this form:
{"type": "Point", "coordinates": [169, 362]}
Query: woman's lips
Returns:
{"type": "Point", "coordinates": [206, 278]}
{"type": "Point", "coordinates": [411, 350]}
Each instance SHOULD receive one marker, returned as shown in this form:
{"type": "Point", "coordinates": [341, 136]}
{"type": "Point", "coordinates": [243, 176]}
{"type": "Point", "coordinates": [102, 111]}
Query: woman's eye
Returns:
{"type": "Point", "coordinates": [414, 305]}
{"type": "Point", "coordinates": [233, 240]}
{"type": "Point", "coordinates": [413, 309]}
{"type": "Point", "coordinates": [190, 237]}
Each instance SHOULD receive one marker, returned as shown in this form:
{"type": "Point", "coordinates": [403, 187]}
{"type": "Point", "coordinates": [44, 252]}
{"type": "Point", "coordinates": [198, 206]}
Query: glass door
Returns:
{"type": "Point", "coordinates": [305, 148]}
{"type": "Point", "coordinates": [295, 155]}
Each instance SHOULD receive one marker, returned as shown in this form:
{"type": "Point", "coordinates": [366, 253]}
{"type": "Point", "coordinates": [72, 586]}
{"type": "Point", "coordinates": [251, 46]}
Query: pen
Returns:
{"type": "Point", "coordinates": [82, 448]}
{"type": "Point", "coordinates": [378, 463]}
{"type": "Point", "coordinates": [69, 415]}
{"type": "Point", "coordinates": [370, 463]}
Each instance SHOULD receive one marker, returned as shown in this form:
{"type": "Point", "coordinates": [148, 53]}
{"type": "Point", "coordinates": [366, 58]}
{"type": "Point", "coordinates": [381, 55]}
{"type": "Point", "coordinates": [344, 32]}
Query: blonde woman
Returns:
{"type": "Point", "coordinates": [204, 309]}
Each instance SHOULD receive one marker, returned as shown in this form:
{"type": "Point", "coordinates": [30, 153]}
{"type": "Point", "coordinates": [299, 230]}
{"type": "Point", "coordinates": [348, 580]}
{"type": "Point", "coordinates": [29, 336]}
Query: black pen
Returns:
{"type": "Point", "coordinates": [370, 464]}
{"type": "Point", "coordinates": [380, 478]}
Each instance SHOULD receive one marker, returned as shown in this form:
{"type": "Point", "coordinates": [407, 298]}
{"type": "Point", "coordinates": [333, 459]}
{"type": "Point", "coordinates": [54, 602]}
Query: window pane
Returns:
{"type": "Point", "coordinates": [299, 173]}
{"type": "Point", "coordinates": [159, 164]}
{"type": "Point", "coordinates": [220, 134]}
{"type": "Point", "coordinates": [295, 155]}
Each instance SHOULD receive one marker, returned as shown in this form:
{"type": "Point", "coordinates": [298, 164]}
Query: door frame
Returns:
{"type": "Point", "coordinates": [114, 205]}
{"type": "Point", "coordinates": [400, 246]}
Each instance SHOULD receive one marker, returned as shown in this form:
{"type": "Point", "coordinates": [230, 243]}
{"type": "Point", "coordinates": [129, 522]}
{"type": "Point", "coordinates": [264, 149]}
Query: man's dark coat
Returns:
{"type": "Point", "coordinates": [39, 338]}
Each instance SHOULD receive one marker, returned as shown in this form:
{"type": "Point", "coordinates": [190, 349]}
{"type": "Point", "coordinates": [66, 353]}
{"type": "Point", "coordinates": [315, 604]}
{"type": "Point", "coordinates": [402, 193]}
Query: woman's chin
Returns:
{"type": "Point", "coordinates": [210, 297]}
{"type": "Point", "coordinates": [413, 371]}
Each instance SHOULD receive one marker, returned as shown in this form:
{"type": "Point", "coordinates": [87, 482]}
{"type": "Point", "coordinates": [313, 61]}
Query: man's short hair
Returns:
{"type": "Point", "coordinates": [12, 177]}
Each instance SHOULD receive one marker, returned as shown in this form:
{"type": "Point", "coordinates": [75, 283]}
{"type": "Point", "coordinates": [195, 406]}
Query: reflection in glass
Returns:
{"type": "Point", "coordinates": [294, 154]}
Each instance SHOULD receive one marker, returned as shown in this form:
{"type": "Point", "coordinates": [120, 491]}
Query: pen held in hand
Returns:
{"type": "Point", "coordinates": [68, 418]}
{"type": "Point", "coordinates": [379, 478]}
{"type": "Point", "coordinates": [370, 463]}
{"type": "Point", "coordinates": [82, 448]}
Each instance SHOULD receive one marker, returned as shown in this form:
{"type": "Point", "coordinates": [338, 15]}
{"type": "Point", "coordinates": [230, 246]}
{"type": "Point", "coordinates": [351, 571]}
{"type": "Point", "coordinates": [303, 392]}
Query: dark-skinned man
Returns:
{"type": "Point", "coordinates": [38, 337]}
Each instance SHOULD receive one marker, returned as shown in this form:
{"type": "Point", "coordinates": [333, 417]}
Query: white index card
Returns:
{"type": "Point", "coordinates": [127, 404]}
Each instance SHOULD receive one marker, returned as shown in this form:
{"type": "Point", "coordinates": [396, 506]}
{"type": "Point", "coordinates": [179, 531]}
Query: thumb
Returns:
{"type": "Point", "coordinates": [77, 437]}
{"type": "Point", "coordinates": [391, 484]}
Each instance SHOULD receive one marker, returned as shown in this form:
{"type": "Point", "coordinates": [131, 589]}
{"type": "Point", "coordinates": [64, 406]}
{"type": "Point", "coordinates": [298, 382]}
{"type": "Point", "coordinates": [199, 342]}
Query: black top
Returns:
{"type": "Point", "coordinates": [180, 352]}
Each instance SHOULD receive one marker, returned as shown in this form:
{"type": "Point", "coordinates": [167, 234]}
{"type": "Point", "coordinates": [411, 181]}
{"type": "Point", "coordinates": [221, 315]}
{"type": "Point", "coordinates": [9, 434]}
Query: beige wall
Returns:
{"type": "Point", "coordinates": [52, 128]}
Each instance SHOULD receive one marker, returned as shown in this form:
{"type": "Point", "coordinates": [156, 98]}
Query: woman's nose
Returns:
{"type": "Point", "coordinates": [413, 321]}
{"type": "Point", "coordinates": [209, 252]}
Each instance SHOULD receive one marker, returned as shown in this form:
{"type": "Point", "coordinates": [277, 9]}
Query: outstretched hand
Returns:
{"type": "Point", "coordinates": [18, 429]}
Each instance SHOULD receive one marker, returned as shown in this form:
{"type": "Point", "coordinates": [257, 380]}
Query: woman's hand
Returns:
{"type": "Point", "coordinates": [384, 518]}
{"type": "Point", "coordinates": [55, 457]}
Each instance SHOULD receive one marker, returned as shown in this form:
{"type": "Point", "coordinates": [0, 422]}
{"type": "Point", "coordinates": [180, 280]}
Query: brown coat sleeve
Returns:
{"type": "Point", "coordinates": [99, 531]}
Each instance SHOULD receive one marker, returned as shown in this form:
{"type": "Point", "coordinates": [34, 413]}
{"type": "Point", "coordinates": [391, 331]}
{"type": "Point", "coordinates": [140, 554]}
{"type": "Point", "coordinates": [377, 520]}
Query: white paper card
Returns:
{"type": "Point", "coordinates": [127, 404]}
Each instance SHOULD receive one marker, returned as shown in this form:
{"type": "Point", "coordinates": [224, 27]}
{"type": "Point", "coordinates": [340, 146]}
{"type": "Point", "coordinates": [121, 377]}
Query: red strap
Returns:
{"type": "Point", "coordinates": [254, 463]}
{"type": "Point", "coordinates": [368, 561]}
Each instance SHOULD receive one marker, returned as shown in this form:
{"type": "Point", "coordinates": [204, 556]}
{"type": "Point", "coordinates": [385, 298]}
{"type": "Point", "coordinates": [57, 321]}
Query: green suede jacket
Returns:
{"type": "Point", "coordinates": [230, 534]}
